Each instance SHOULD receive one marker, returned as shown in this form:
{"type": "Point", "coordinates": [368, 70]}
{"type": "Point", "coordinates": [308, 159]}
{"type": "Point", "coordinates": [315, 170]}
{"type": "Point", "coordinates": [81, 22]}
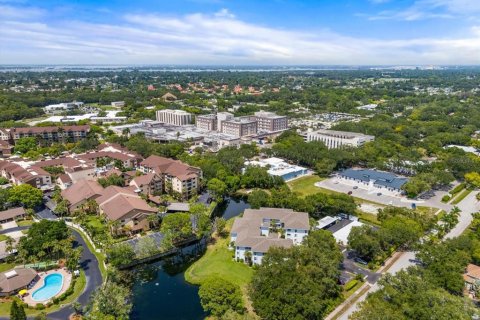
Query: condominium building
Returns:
{"type": "Point", "coordinates": [52, 134]}
{"type": "Point", "coordinates": [178, 177]}
{"type": "Point", "coordinates": [118, 104]}
{"type": "Point", "coordinates": [260, 229]}
{"type": "Point", "coordinates": [269, 121]}
{"type": "Point", "coordinates": [175, 117]}
{"type": "Point", "coordinates": [336, 139]}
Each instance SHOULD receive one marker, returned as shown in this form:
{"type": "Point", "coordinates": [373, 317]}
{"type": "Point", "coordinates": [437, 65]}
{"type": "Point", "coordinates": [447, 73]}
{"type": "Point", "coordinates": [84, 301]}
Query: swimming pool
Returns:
{"type": "Point", "coordinates": [52, 285]}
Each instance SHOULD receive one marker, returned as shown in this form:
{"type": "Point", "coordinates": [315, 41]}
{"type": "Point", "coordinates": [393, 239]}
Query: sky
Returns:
{"type": "Point", "coordinates": [240, 32]}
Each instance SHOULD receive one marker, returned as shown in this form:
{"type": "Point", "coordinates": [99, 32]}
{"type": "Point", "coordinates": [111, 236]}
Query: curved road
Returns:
{"type": "Point", "coordinates": [89, 265]}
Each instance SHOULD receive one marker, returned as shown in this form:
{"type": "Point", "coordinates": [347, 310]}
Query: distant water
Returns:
{"type": "Point", "coordinates": [160, 290]}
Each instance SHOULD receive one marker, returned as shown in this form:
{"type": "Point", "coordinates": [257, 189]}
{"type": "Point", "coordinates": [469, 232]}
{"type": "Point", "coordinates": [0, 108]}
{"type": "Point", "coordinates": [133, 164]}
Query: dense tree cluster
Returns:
{"type": "Point", "coordinates": [300, 282]}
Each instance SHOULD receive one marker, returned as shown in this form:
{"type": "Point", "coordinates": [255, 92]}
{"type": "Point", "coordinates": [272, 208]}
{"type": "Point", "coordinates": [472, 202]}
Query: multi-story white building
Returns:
{"type": "Point", "coordinates": [207, 122]}
{"type": "Point", "coordinates": [257, 230]}
{"type": "Point", "coordinates": [118, 104]}
{"type": "Point", "coordinates": [62, 107]}
{"type": "Point", "coordinates": [175, 117]}
{"type": "Point", "coordinates": [240, 127]}
{"type": "Point", "coordinates": [337, 139]}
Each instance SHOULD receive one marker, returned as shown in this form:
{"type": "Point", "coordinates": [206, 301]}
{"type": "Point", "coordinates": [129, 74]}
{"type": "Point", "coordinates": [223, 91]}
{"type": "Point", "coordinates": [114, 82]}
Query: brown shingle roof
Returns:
{"type": "Point", "coordinates": [12, 213]}
{"type": "Point", "coordinates": [472, 273]}
{"type": "Point", "coordinates": [22, 279]}
{"type": "Point", "coordinates": [143, 180]}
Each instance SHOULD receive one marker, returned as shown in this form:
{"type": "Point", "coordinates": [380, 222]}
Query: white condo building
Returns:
{"type": "Point", "coordinates": [337, 139]}
{"type": "Point", "coordinates": [259, 229]}
{"type": "Point", "coordinates": [175, 117]}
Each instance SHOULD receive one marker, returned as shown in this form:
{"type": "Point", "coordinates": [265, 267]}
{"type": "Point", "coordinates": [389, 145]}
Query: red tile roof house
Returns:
{"type": "Point", "coordinates": [178, 177]}
{"type": "Point", "coordinates": [32, 175]}
{"type": "Point", "coordinates": [259, 230]}
{"type": "Point", "coordinates": [126, 207]}
{"type": "Point", "coordinates": [472, 278]}
{"type": "Point", "coordinates": [79, 193]}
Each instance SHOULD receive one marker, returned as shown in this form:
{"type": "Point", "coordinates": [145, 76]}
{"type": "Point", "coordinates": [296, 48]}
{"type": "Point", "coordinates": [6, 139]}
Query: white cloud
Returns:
{"type": "Point", "coordinates": [219, 38]}
{"type": "Point", "coordinates": [431, 9]}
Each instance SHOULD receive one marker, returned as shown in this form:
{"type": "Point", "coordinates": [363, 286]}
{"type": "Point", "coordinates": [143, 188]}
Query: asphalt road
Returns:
{"type": "Point", "coordinates": [89, 265]}
{"type": "Point", "coordinates": [468, 206]}
{"type": "Point", "coordinates": [352, 267]}
{"type": "Point", "coordinates": [5, 231]}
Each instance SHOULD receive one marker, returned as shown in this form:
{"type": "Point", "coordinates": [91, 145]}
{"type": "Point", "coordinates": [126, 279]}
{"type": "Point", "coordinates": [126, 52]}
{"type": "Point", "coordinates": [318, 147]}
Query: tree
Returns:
{"type": "Point", "coordinates": [179, 224]}
{"type": "Point", "coordinates": [110, 301]}
{"type": "Point", "coordinates": [415, 186]}
{"type": "Point", "coordinates": [220, 224]}
{"type": "Point", "coordinates": [325, 166]}
{"type": "Point", "coordinates": [218, 188]}
{"type": "Point", "coordinates": [120, 254]}
{"type": "Point", "coordinates": [217, 296]}
{"type": "Point", "coordinates": [26, 195]}
{"type": "Point", "coordinates": [400, 231]}
{"type": "Point", "coordinates": [258, 198]}
{"type": "Point", "coordinates": [25, 144]}
{"type": "Point", "coordinates": [300, 282]}
{"type": "Point", "coordinates": [473, 179]}
{"type": "Point", "coordinates": [146, 247]}
{"type": "Point", "coordinates": [112, 180]}
{"type": "Point", "coordinates": [364, 241]}
{"type": "Point", "coordinates": [14, 315]}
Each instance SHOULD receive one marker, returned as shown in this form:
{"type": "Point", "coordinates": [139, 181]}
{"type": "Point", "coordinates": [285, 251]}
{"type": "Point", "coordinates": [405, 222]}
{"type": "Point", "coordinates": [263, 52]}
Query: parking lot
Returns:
{"type": "Point", "coordinates": [434, 198]}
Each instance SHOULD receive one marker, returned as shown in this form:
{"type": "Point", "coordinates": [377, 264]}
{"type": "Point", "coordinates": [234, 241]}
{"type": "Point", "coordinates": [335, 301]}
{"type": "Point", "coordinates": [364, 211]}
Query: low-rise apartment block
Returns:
{"type": "Point", "coordinates": [258, 230]}
{"type": "Point", "coordinates": [51, 134]}
{"type": "Point", "coordinates": [24, 173]}
{"type": "Point", "coordinates": [337, 139]}
{"type": "Point", "coordinates": [177, 178]}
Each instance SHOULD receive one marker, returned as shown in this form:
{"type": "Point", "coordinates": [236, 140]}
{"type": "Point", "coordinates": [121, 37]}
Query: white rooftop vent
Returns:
{"type": "Point", "coordinates": [10, 274]}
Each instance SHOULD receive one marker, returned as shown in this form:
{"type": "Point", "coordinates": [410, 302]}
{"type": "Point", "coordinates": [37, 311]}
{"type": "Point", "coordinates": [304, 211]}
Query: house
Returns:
{"type": "Point", "coordinates": [6, 149]}
{"type": "Point", "coordinates": [341, 229]}
{"type": "Point", "coordinates": [167, 97]}
{"type": "Point", "coordinates": [260, 229]}
{"type": "Point", "coordinates": [126, 207]}
{"type": "Point", "coordinates": [12, 214]}
{"type": "Point", "coordinates": [64, 181]}
{"type": "Point", "coordinates": [178, 177]}
{"type": "Point", "coordinates": [373, 180]}
{"type": "Point", "coordinates": [24, 173]}
{"type": "Point", "coordinates": [14, 280]}
{"type": "Point", "coordinates": [472, 277]}
{"type": "Point", "coordinates": [148, 184]}
{"type": "Point", "coordinates": [80, 192]}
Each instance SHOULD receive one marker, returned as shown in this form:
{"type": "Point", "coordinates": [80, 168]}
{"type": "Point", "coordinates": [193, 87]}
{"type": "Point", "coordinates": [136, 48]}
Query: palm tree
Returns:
{"type": "Point", "coordinates": [9, 244]}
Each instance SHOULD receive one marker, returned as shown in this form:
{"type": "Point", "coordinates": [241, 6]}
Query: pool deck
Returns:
{"type": "Point", "coordinates": [67, 279]}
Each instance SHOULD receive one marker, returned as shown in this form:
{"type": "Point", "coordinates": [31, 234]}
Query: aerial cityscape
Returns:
{"type": "Point", "coordinates": [240, 160]}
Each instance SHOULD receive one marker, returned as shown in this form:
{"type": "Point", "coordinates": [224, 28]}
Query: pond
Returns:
{"type": "Point", "coordinates": [160, 290]}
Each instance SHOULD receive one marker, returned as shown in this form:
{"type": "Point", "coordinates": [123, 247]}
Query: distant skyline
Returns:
{"type": "Point", "coordinates": [243, 32]}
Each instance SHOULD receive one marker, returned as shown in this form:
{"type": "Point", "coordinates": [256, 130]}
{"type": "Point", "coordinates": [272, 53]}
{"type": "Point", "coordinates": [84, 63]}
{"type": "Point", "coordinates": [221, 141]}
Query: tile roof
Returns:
{"type": "Point", "coordinates": [12, 213]}
{"type": "Point", "coordinates": [82, 190]}
{"type": "Point", "coordinates": [144, 179]}
{"type": "Point", "coordinates": [472, 273]}
{"type": "Point", "coordinates": [171, 167]}
{"type": "Point", "coordinates": [22, 278]}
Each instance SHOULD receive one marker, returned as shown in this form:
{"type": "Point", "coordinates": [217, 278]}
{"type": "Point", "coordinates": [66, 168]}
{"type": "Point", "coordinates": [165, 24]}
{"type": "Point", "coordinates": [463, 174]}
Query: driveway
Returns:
{"type": "Point", "coordinates": [351, 266]}
{"type": "Point", "coordinates": [9, 225]}
{"type": "Point", "coordinates": [46, 214]}
{"type": "Point", "coordinates": [7, 231]}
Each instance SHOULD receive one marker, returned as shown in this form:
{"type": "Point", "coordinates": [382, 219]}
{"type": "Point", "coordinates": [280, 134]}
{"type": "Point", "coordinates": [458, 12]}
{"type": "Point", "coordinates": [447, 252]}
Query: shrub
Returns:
{"type": "Point", "coordinates": [39, 306]}
{"type": "Point", "coordinates": [457, 189]}
{"type": "Point", "coordinates": [349, 285]}
{"type": "Point", "coordinates": [445, 198]}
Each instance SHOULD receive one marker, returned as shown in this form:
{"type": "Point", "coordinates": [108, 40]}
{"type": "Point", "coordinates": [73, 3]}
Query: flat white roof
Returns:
{"type": "Point", "coordinates": [342, 234]}
{"type": "Point", "coordinates": [325, 221]}
{"type": "Point", "coordinates": [10, 274]}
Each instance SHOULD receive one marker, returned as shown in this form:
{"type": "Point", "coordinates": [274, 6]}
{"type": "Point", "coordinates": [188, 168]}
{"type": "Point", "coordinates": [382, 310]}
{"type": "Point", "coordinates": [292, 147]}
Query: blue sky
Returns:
{"type": "Point", "coordinates": [244, 32]}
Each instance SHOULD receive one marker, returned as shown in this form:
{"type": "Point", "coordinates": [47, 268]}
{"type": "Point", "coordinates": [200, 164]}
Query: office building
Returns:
{"type": "Point", "coordinates": [175, 117]}
{"type": "Point", "coordinates": [337, 139]}
{"type": "Point", "coordinates": [240, 127]}
{"type": "Point", "coordinates": [207, 122]}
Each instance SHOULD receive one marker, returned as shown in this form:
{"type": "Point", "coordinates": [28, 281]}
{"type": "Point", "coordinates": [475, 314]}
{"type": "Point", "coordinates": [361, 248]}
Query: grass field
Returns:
{"type": "Point", "coordinates": [304, 186]}
{"type": "Point", "coordinates": [218, 262]}
{"type": "Point", "coordinates": [3, 237]}
{"type": "Point", "coordinates": [25, 223]}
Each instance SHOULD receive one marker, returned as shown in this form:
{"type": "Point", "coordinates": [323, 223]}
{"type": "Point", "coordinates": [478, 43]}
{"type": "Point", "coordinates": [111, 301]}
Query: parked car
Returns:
{"type": "Point", "coordinates": [379, 194]}
{"type": "Point", "coordinates": [355, 187]}
{"type": "Point", "coordinates": [361, 261]}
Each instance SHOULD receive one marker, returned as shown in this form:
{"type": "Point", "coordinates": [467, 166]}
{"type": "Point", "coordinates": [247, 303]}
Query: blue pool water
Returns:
{"type": "Point", "coordinates": [51, 287]}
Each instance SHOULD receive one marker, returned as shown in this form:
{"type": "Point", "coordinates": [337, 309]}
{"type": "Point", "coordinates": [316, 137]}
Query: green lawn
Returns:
{"type": "Point", "coordinates": [462, 195]}
{"type": "Point", "coordinates": [3, 237]}
{"type": "Point", "coordinates": [218, 262]}
{"type": "Point", "coordinates": [347, 294]}
{"type": "Point", "coordinates": [6, 266]}
{"type": "Point", "coordinates": [305, 185]}
{"type": "Point", "coordinates": [25, 223]}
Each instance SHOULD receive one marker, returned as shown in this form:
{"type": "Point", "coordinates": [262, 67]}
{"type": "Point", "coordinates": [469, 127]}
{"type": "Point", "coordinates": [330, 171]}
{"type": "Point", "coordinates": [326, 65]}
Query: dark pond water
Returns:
{"type": "Point", "coordinates": [160, 290]}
